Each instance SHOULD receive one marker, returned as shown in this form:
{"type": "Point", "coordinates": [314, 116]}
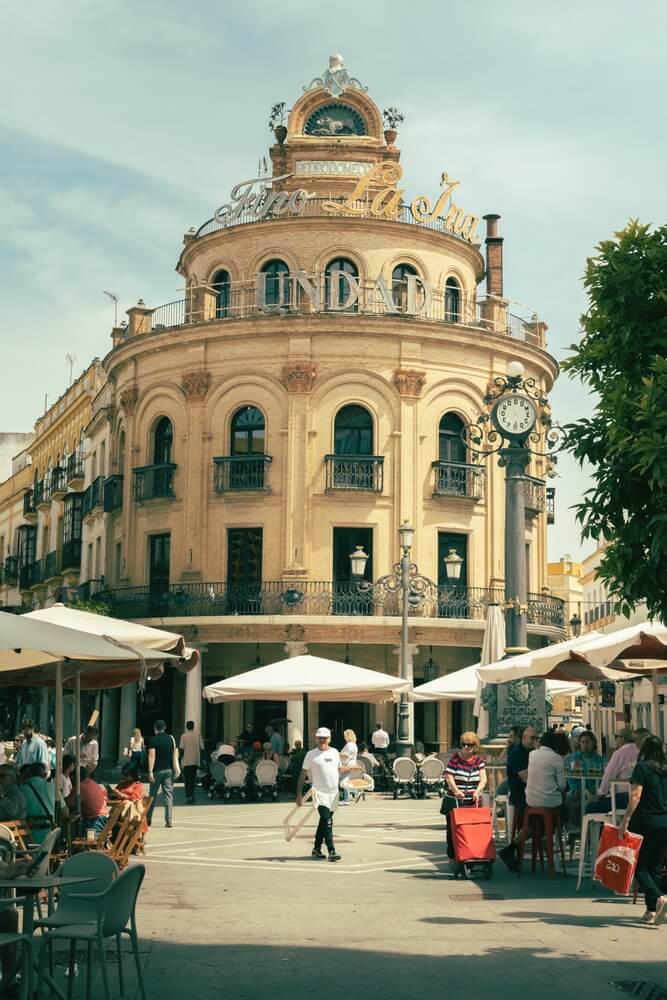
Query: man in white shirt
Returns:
{"type": "Point", "coordinates": [323, 767]}
{"type": "Point", "coordinates": [90, 751]}
{"type": "Point", "coordinates": [191, 745]}
{"type": "Point", "coordinates": [380, 739]}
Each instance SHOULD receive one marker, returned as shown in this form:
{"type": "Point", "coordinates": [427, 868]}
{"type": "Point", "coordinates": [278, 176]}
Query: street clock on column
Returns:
{"type": "Point", "coordinates": [514, 415]}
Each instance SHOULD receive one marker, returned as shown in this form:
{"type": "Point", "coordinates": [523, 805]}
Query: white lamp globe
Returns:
{"type": "Point", "coordinates": [515, 369]}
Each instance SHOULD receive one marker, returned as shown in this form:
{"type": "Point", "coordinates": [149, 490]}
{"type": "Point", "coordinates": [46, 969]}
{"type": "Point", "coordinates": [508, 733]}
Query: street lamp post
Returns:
{"type": "Point", "coordinates": [414, 589]}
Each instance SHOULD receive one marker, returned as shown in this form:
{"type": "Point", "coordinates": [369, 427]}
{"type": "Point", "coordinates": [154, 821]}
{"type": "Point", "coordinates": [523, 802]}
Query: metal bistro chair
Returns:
{"type": "Point", "coordinates": [404, 773]}
{"type": "Point", "coordinates": [116, 907]}
{"type": "Point", "coordinates": [11, 937]}
{"type": "Point", "coordinates": [433, 775]}
{"type": "Point", "coordinates": [266, 775]}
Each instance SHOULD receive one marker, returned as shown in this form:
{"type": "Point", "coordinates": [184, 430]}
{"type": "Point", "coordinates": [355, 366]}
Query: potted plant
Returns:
{"type": "Point", "coordinates": [277, 122]}
{"type": "Point", "coordinates": [391, 118]}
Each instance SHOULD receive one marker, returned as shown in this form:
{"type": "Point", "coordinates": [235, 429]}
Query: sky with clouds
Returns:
{"type": "Point", "coordinates": [124, 123]}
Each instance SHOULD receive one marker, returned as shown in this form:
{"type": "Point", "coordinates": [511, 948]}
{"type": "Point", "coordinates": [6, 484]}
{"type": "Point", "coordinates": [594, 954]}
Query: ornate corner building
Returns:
{"type": "Point", "coordinates": [304, 397]}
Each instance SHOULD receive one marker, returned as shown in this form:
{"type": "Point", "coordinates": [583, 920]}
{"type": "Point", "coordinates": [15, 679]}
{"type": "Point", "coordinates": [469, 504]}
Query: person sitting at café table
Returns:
{"type": "Point", "coordinates": [94, 804]}
{"type": "Point", "coordinates": [367, 755]}
{"type": "Point", "coordinates": [465, 776]}
{"type": "Point", "coordinates": [129, 788]}
{"type": "Point", "coordinates": [12, 799]}
{"type": "Point", "coordinates": [620, 767]}
{"type": "Point", "coordinates": [268, 753]}
{"type": "Point", "coordinates": [585, 760]}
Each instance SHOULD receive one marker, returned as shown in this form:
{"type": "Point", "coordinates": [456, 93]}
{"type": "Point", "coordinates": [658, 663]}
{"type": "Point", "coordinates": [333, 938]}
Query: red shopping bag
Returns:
{"type": "Point", "coordinates": [616, 859]}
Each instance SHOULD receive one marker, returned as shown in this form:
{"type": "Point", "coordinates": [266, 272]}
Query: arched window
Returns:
{"type": "Point", "coordinates": [339, 284]}
{"type": "Point", "coordinates": [277, 288]}
{"type": "Point", "coordinates": [162, 441]}
{"type": "Point", "coordinates": [222, 286]}
{"type": "Point", "coordinates": [399, 284]}
{"type": "Point", "coordinates": [248, 429]}
{"type": "Point", "coordinates": [452, 301]}
{"type": "Point", "coordinates": [121, 452]}
{"type": "Point", "coordinates": [451, 446]}
{"type": "Point", "coordinates": [353, 431]}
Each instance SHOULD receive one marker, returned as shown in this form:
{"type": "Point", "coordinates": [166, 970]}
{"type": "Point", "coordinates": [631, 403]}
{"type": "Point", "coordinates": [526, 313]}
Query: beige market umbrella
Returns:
{"type": "Point", "coordinates": [461, 685]}
{"type": "Point", "coordinates": [562, 661]}
{"type": "Point", "coordinates": [308, 677]}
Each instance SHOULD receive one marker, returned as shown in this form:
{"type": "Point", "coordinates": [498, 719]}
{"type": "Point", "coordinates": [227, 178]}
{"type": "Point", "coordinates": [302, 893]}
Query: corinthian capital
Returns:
{"type": "Point", "coordinates": [195, 384]}
{"type": "Point", "coordinates": [409, 382]}
{"type": "Point", "coordinates": [128, 399]}
{"type": "Point", "coordinates": [298, 377]}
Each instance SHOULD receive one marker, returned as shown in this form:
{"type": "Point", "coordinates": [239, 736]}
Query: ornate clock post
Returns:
{"type": "Point", "coordinates": [516, 426]}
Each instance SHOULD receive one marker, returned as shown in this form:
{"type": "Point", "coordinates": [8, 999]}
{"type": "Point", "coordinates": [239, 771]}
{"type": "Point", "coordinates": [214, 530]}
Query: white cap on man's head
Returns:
{"type": "Point", "coordinates": [323, 732]}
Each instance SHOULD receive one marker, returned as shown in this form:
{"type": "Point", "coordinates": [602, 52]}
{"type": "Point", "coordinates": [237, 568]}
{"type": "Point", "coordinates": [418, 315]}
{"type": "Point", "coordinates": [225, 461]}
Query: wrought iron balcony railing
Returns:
{"type": "Point", "coordinates": [355, 472]}
{"type": "Point", "coordinates": [90, 588]}
{"type": "Point", "coordinates": [31, 574]}
{"type": "Point", "coordinates": [11, 573]}
{"type": "Point", "coordinates": [310, 597]}
{"type": "Point", "coordinates": [28, 504]}
{"type": "Point", "coordinates": [74, 470]}
{"type": "Point", "coordinates": [153, 482]}
{"type": "Point", "coordinates": [58, 483]}
{"type": "Point", "coordinates": [93, 495]}
{"type": "Point", "coordinates": [240, 472]}
{"type": "Point", "coordinates": [51, 565]}
{"type": "Point", "coordinates": [38, 493]}
{"type": "Point", "coordinates": [113, 493]}
{"type": "Point", "coordinates": [455, 479]}
{"type": "Point", "coordinates": [71, 557]}
{"type": "Point", "coordinates": [534, 495]}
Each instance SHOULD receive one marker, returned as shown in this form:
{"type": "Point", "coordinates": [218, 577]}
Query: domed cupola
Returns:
{"type": "Point", "coordinates": [334, 135]}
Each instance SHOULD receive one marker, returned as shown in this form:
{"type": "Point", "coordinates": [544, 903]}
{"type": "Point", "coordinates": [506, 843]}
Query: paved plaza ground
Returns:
{"type": "Point", "coordinates": [229, 909]}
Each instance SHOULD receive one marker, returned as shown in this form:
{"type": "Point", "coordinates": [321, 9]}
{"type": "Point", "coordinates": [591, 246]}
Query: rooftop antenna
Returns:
{"type": "Point", "coordinates": [70, 359]}
{"type": "Point", "coordinates": [114, 299]}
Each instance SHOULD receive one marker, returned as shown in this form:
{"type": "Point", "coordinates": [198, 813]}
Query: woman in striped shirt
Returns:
{"type": "Point", "coordinates": [466, 780]}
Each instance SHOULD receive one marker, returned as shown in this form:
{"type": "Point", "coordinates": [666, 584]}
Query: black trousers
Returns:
{"type": "Point", "coordinates": [189, 776]}
{"type": "Point", "coordinates": [324, 832]}
{"type": "Point", "coordinates": [649, 867]}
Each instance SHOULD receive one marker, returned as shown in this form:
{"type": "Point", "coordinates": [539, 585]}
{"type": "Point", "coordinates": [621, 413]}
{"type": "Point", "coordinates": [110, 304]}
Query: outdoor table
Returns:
{"type": "Point", "coordinates": [582, 779]}
{"type": "Point", "coordinates": [29, 887]}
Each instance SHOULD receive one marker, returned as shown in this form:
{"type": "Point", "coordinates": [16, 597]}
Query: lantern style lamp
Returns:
{"type": "Point", "coordinates": [453, 564]}
{"type": "Point", "coordinates": [358, 561]}
{"type": "Point", "coordinates": [407, 535]}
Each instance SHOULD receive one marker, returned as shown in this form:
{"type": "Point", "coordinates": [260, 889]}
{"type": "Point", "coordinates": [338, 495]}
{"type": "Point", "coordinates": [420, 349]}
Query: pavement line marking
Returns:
{"type": "Point", "coordinates": [209, 840]}
{"type": "Point", "coordinates": [292, 866]}
{"type": "Point", "coordinates": [423, 862]}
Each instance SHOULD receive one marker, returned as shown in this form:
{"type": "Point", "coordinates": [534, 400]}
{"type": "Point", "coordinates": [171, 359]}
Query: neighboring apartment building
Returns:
{"type": "Point", "coordinates": [564, 581]}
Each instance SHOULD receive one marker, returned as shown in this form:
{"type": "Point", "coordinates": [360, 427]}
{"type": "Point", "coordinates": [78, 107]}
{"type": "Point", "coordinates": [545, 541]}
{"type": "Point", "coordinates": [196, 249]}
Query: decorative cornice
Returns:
{"type": "Point", "coordinates": [128, 399]}
{"type": "Point", "coordinates": [195, 384]}
{"type": "Point", "coordinates": [409, 382]}
{"type": "Point", "coordinates": [298, 377]}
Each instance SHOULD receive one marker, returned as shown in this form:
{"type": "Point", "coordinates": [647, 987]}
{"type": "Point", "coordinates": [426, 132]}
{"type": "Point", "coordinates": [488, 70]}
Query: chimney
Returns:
{"type": "Point", "coordinates": [494, 257]}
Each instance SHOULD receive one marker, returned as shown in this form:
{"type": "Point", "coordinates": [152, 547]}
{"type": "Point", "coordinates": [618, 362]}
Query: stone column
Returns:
{"type": "Point", "coordinates": [195, 385]}
{"type": "Point", "coordinates": [109, 736]}
{"type": "Point", "coordinates": [298, 378]}
{"type": "Point", "coordinates": [129, 567]}
{"type": "Point", "coordinates": [193, 689]}
{"type": "Point", "coordinates": [44, 710]}
{"type": "Point", "coordinates": [413, 649]}
{"type": "Point", "coordinates": [127, 717]}
{"type": "Point", "coordinates": [295, 708]}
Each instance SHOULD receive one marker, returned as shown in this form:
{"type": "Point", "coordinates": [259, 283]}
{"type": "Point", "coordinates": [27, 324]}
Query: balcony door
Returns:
{"type": "Point", "coordinates": [347, 600]}
{"type": "Point", "coordinates": [453, 599]}
{"type": "Point", "coordinates": [244, 570]}
{"type": "Point", "coordinates": [159, 558]}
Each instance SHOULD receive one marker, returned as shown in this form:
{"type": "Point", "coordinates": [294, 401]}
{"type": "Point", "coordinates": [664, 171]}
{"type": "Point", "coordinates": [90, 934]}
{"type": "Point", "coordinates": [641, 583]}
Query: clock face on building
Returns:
{"type": "Point", "coordinates": [514, 416]}
{"type": "Point", "coordinates": [335, 119]}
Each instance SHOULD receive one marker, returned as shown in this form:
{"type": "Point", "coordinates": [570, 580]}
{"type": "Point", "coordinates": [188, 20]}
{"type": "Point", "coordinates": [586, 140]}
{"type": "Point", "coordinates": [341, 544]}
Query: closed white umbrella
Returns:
{"type": "Point", "coordinates": [493, 649]}
{"type": "Point", "coordinates": [308, 677]}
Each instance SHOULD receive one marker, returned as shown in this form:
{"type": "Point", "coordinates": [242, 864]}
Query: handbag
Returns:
{"type": "Point", "coordinates": [616, 860]}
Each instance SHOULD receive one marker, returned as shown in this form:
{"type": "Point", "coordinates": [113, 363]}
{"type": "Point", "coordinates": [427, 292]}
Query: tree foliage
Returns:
{"type": "Point", "coordinates": [622, 357]}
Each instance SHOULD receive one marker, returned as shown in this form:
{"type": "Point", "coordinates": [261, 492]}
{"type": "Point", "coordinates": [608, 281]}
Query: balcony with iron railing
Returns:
{"type": "Point", "coordinates": [51, 568]}
{"type": "Point", "coordinates": [93, 496]}
{"type": "Point", "coordinates": [11, 570]}
{"type": "Point", "coordinates": [237, 473]}
{"type": "Point", "coordinates": [58, 483]}
{"type": "Point", "coordinates": [534, 496]}
{"type": "Point", "coordinates": [355, 473]}
{"type": "Point", "coordinates": [74, 471]}
{"type": "Point", "coordinates": [29, 509]}
{"type": "Point", "coordinates": [316, 598]}
{"type": "Point", "coordinates": [31, 574]}
{"type": "Point", "coordinates": [71, 554]}
{"type": "Point", "coordinates": [153, 482]}
{"type": "Point", "coordinates": [457, 479]}
{"type": "Point", "coordinates": [113, 494]}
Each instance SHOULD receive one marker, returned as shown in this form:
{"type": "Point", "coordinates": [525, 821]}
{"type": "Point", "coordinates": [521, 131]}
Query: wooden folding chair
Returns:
{"type": "Point", "coordinates": [101, 842]}
{"type": "Point", "coordinates": [21, 831]}
{"type": "Point", "coordinates": [130, 836]}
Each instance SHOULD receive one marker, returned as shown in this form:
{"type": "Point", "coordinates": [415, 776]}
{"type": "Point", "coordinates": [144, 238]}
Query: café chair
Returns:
{"type": "Point", "coordinates": [115, 915]}
{"type": "Point", "coordinates": [590, 837]}
{"type": "Point", "coordinates": [543, 821]}
{"type": "Point", "coordinates": [15, 937]}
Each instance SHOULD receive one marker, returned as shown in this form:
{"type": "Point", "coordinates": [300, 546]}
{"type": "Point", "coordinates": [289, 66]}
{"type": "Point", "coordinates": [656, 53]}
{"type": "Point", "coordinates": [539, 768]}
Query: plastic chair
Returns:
{"type": "Point", "coordinates": [404, 771]}
{"type": "Point", "coordinates": [116, 908]}
{"type": "Point", "coordinates": [542, 819]}
{"type": "Point", "coordinates": [15, 937]}
{"type": "Point", "coordinates": [433, 774]}
{"type": "Point", "coordinates": [590, 831]}
{"type": "Point", "coordinates": [266, 773]}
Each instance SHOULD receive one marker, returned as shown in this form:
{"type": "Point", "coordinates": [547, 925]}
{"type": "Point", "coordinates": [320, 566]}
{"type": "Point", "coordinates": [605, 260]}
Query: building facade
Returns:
{"type": "Point", "coordinates": [305, 397]}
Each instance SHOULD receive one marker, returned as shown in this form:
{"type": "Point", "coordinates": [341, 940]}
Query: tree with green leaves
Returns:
{"type": "Point", "coordinates": [622, 357]}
